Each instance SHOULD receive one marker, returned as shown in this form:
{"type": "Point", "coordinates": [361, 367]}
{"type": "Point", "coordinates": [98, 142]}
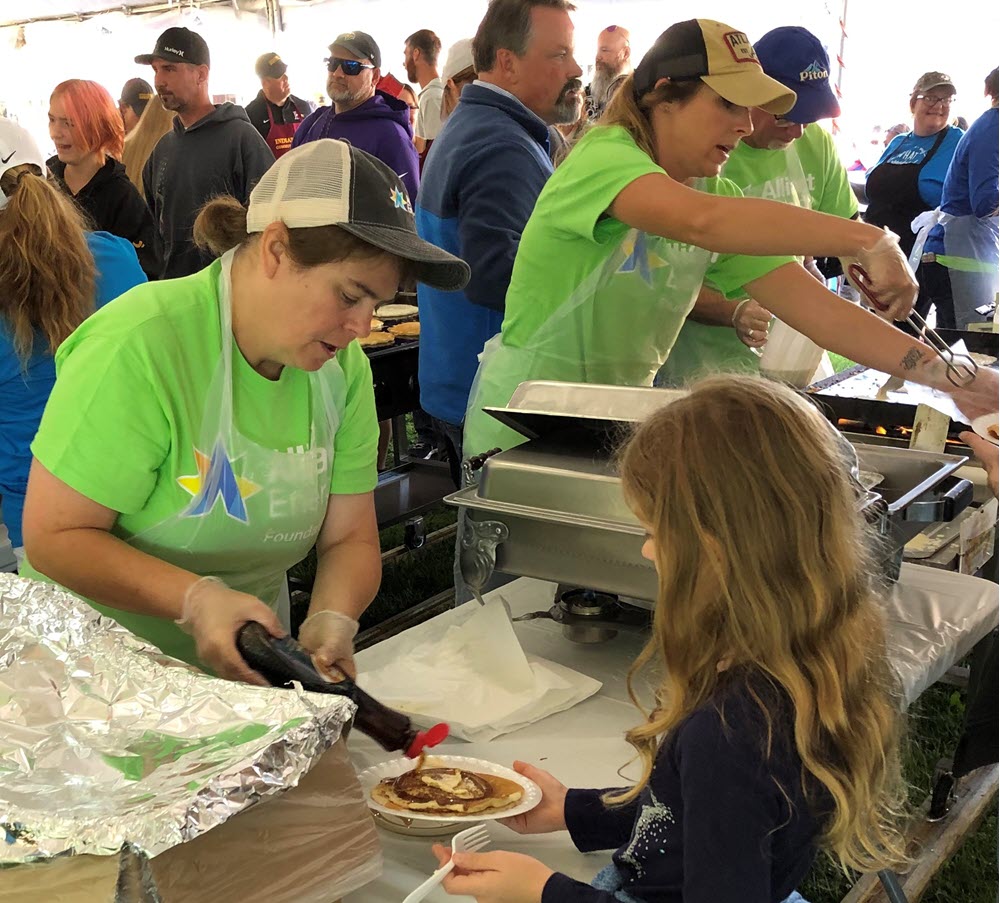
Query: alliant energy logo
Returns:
{"type": "Point", "coordinates": [813, 73]}
{"type": "Point", "coordinates": [740, 47]}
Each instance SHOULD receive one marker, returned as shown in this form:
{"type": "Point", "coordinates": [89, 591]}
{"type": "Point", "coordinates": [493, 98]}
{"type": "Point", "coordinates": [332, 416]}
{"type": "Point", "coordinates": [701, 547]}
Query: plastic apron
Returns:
{"type": "Point", "coordinates": [702, 348]}
{"type": "Point", "coordinates": [617, 328]}
{"type": "Point", "coordinates": [972, 255]}
{"type": "Point", "coordinates": [280, 134]}
{"type": "Point", "coordinates": [255, 511]}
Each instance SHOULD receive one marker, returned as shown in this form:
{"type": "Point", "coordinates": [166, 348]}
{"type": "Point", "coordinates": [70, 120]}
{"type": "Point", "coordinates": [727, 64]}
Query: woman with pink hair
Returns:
{"type": "Point", "coordinates": [87, 130]}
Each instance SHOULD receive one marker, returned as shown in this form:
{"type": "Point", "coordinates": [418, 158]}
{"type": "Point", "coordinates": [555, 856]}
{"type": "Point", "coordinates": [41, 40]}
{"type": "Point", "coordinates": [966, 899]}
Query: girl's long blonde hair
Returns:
{"type": "Point", "coordinates": [47, 272]}
{"type": "Point", "coordinates": [765, 564]}
{"type": "Point", "coordinates": [153, 124]}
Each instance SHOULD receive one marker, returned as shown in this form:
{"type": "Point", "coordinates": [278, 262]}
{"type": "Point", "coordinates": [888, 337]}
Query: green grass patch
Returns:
{"type": "Point", "coordinates": [934, 726]}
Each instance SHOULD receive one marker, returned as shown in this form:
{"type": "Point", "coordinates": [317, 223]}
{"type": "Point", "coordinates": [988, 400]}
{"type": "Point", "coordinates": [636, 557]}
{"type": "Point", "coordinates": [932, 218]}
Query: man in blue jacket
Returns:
{"type": "Point", "coordinates": [370, 120]}
{"type": "Point", "coordinates": [480, 182]}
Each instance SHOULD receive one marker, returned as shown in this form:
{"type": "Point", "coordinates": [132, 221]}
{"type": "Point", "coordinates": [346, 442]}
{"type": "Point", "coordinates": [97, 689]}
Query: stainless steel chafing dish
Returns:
{"type": "Point", "coordinates": [552, 508]}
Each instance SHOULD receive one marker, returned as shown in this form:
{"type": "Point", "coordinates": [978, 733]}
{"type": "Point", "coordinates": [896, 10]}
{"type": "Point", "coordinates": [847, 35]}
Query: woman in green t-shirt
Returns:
{"type": "Point", "coordinates": [205, 432]}
{"type": "Point", "coordinates": [635, 220]}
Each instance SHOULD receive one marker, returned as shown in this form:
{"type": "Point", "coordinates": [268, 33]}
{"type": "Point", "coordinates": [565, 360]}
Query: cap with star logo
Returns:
{"type": "Point", "coordinates": [331, 183]}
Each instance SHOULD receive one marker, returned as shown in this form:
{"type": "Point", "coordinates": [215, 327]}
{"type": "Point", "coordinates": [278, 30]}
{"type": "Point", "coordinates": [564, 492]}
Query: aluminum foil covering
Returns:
{"type": "Point", "coordinates": [105, 743]}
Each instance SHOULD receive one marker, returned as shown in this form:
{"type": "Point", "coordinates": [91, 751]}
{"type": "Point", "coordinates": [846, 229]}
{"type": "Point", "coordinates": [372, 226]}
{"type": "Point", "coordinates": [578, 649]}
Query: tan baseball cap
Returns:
{"type": "Point", "coordinates": [933, 80]}
{"type": "Point", "coordinates": [721, 56]}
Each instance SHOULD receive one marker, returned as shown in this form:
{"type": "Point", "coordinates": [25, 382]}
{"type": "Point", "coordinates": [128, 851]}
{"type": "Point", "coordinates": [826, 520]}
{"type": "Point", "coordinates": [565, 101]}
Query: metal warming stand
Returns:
{"type": "Point", "coordinates": [552, 508]}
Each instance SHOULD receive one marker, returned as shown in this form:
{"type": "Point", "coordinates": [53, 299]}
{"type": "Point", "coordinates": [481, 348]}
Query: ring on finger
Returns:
{"type": "Point", "coordinates": [749, 333]}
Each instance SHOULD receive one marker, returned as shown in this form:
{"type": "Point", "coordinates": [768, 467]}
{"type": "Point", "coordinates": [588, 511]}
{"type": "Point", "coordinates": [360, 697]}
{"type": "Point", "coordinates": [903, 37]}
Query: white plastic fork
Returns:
{"type": "Point", "coordinates": [467, 841]}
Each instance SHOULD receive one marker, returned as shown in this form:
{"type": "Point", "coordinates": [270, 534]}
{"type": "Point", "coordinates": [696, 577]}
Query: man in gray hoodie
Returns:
{"type": "Point", "coordinates": [212, 150]}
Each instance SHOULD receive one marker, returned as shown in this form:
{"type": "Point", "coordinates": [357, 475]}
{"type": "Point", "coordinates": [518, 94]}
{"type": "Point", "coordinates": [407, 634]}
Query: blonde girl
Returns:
{"type": "Point", "coordinates": [773, 732]}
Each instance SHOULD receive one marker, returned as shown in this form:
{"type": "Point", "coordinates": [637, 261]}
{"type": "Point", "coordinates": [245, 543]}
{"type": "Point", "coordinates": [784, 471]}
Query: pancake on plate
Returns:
{"type": "Point", "coordinates": [377, 338]}
{"type": "Point", "coordinates": [377, 324]}
{"type": "Point", "coordinates": [397, 311]}
{"type": "Point", "coordinates": [410, 330]}
{"type": "Point", "coordinates": [447, 791]}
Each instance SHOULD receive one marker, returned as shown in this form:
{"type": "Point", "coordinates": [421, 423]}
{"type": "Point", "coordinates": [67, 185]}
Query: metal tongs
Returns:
{"type": "Point", "coordinates": [959, 368]}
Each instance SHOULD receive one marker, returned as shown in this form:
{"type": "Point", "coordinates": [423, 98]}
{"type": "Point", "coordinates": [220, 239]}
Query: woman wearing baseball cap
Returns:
{"type": "Point", "coordinates": [207, 432]}
{"type": "Point", "coordinates": [635, 220]}
{"type": "Point", "coordinates": [908, 179]}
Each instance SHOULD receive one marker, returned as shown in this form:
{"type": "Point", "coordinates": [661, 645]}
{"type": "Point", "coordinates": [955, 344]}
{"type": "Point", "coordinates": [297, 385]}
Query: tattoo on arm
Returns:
{"type": "Point", "coordinates": [911, 359]}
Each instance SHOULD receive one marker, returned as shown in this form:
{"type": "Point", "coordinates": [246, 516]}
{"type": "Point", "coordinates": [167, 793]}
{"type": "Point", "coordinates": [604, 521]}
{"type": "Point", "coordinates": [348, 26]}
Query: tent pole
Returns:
{"type": "Point", "coordinates": [840, 62]}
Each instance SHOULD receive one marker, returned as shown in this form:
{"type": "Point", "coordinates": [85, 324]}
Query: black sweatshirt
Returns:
{"type": "Point", "coordinates": [114, 205]}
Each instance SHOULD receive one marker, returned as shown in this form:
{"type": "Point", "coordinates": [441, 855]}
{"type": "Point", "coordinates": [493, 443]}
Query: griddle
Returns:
{"type": "Point", "coordinates": [850, 395]}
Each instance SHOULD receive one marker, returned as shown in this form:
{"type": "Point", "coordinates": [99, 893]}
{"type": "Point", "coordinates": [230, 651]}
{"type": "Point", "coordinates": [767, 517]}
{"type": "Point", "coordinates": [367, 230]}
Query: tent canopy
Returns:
{"type": "Point", "coordinates": [55, 10]}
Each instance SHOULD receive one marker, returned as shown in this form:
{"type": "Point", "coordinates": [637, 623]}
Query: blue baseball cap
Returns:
{"type": "Point", "coordinates": [796, 58]}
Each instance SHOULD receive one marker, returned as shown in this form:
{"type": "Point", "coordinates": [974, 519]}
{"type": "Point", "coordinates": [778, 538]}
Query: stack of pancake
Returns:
{"type": "Point", "coordinates": [447, 791]}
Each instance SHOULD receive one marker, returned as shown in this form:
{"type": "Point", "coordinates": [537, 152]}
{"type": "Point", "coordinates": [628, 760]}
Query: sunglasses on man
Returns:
{"type": "Point", "coordinates": [349, 67]}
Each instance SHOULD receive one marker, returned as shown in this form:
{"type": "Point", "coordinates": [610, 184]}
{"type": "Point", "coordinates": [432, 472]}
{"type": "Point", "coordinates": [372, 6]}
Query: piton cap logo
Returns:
{"type": "Point", "coordinates": [814, 72]}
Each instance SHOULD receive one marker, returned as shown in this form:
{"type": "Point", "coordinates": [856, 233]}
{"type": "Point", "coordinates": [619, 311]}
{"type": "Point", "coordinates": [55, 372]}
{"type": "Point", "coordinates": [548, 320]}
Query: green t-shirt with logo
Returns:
{"type": "Point", "coordinates": [570, 236]}
{"type": "Point", "coordinates": [122, 423]}
{"type": "Point", "coordinates": [767, 174]}
{"type": "Point", "coordinates": [590, 299]}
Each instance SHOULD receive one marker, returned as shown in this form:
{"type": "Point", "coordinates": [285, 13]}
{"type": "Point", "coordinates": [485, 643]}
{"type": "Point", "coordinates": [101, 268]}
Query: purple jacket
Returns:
{"type": "Point", "coordinates": [380, 127]}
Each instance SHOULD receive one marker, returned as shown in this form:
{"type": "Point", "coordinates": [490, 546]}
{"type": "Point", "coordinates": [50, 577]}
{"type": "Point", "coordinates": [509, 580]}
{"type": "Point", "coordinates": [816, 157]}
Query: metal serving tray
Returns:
{"type": "Point", "coordinates": [556, 500]}
{"type": "Point", "coordinates": [565, 517]}
{"type": "Point", "coordinates": [919, 489]}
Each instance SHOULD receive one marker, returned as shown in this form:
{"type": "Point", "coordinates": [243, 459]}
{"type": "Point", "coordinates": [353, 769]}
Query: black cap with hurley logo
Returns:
{"type": "Point", "coordinates": [178, 45]}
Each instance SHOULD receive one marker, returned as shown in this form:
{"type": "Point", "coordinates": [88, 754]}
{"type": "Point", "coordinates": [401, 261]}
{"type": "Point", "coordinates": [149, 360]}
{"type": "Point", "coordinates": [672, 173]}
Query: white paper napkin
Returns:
{"type": "Point", "coordinates": [467, 667]}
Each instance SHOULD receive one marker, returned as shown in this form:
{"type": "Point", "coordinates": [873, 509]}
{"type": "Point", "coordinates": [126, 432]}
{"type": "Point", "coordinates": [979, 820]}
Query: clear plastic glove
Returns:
{"type": "Point", "coordinates": [978, 397]}
{"type": "Point", "coordinates": [751, 322]}
{"type": "Point", "coordinates": [809, 265]}
{"type": "Point", "coordinates": [550, 814]}
{"type": "Point", "coordinates": [329, 636]}
{"type": "Point", "coordinates": [890, 279]}
{"type": "Point", "coordinates": [213, 614]}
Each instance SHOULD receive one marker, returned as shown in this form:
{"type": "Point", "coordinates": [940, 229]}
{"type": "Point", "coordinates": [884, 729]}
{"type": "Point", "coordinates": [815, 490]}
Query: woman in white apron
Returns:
{"type": "Point", "coordinates": [206, 432]}
{"type": "Point", "coordinates": [611, 261]}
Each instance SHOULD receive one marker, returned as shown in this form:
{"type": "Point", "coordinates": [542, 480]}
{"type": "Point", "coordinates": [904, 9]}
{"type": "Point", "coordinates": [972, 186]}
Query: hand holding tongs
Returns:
{"type": "Point", "coordinates": [959, 368]}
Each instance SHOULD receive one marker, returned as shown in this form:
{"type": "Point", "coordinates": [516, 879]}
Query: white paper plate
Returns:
{"type": "Point", "coordinates": [983, 425]}
{"type": "Point", "coordinates": [394, 768]}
